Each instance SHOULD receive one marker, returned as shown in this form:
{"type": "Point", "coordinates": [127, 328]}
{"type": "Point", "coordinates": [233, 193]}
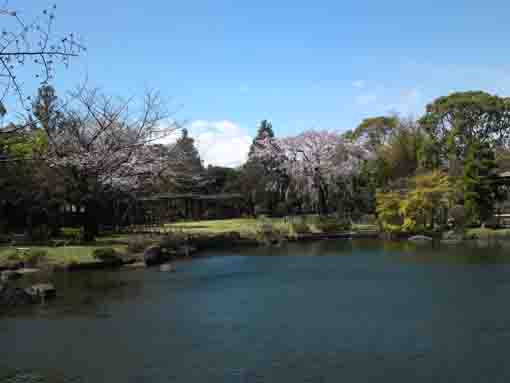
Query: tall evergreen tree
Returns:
{"type": "Point", "coordinates": [187, 153]}
{"type": "Point", "coordinates": [479, 191]}
{"type": "Point", "coordinates": [265, 130]}
{"type": "Point", "coordinates": [186, 166]}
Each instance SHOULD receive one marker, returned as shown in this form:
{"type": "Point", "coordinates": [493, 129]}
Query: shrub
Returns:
{"type": "Point", "coordinates": [172, 240]}
{"type": "Point", "coordinates": [5, 238]}
{"type": "Point", "coordinates": [459, 217]}
{"type": "Point", "coordinates": [35, 257]}
{"type": "Point", "coordinates": [280, 210]}
{"type": "Point", "coordinates": [40, 233]}
{"type": "Point", "coordinates": [71, 232]}
{"type": "Point", "coordinates": [13, 255]}
{"type": "Point", "coordinates": [299, 227]}
{"type": "Point", "coordinates": [330, 225]}
{"type": "Point", "coordinates": [106, 254]}
{"type": "Point", "coordinates": [261, 211]}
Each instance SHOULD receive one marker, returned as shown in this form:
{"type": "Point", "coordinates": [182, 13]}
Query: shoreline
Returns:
{"type": "Point", "coordinates": [199, 243]}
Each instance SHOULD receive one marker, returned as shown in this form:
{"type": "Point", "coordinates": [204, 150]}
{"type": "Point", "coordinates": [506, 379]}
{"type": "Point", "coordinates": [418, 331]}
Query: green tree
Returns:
{"type": "Point", "coordinates": [421, 207]}
{"type": "Point", "coordinates": [374, 131]}
{"type": "Point", "coordinates": [479, 190]}
{"type": "Point", "coordinates": [463, 119]}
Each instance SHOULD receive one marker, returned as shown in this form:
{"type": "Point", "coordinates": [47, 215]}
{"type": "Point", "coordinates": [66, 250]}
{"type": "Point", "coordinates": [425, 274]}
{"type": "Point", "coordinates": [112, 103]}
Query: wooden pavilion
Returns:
{"type": "Point", "coordinates": [170, 207]}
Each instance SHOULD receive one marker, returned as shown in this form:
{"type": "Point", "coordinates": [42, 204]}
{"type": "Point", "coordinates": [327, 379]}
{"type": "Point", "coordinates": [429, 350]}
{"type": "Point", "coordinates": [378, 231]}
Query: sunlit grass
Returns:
{"type": "Point", "coordinates": [60, 255]}
{"type": "Point", "coordinates": [484, 233]}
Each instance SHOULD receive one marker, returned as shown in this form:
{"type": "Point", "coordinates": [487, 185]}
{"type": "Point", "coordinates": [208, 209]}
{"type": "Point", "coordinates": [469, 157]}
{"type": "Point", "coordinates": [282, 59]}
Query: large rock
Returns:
{"type": "Point", "coordinates": [154, 256]}
{"type": "Point", "coordinates": [11, 296]}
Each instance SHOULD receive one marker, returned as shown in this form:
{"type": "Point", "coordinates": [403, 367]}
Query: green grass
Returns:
{"type": "Point", "coordinates": [246, 227]}
{"type": "Point", "coordinates": [365, 227]}
{"type": "Point", "coordinates": [61, 255]}
{"type": "Point", "coordinates": [484, 233]}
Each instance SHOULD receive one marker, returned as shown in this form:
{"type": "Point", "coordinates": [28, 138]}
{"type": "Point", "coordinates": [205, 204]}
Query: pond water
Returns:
{"type": "Point", "coordinates": [331, 311]}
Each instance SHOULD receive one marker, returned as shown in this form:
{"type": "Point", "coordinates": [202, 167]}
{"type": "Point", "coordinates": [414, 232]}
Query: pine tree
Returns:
{"type": "Point", "coordinates": [264, 131]}
{"type": "Point", "coordinates": [187, 167]}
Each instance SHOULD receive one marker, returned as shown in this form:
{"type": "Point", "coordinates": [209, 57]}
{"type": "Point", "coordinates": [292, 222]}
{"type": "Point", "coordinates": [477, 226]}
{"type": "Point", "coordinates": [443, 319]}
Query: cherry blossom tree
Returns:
{"type": "Point", "coordinates": [101, 145]}
{"type": "Point", "coordinates": [314, 161]}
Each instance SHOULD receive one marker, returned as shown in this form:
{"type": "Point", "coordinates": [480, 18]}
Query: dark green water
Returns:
{"type": "Point", "coordinates": [332, 311]}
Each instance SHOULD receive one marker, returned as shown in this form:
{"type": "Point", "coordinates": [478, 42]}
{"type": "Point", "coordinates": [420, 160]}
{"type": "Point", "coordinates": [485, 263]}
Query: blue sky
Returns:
{"type": "Point", "coordinates": [302, 65]}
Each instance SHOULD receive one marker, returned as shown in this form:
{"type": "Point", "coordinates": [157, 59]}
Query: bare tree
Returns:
{"type": "Point", "coordinates": [32, 44]}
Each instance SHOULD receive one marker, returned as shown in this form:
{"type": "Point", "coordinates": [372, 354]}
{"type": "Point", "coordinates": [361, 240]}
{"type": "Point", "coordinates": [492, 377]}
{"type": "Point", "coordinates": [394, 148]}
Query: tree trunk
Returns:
{"type": "Point", "coordinates": [90, 224]}
{"type": "Point", "coordinates": [323, 206]}
{"type": "Point", "coordinates": [29, 227]}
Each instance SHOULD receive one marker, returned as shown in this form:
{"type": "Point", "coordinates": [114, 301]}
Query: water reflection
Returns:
{"type": "Point", "coordinates": [324, 311]}
{"type": "Point", "coordinates": [81, 293]}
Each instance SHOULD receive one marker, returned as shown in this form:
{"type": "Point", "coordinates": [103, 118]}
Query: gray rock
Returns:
{"type": "Point", "coordinates": [135, 265]}
{"type": "Point", "coordinates": [167, 267]}
{"type": "Point", "coordinates": [42, 291]}
{"type": "Point", "coordinates": [9, 275]}
{"type": "Point", "coordinates": [420, 238]}
{"type": "Point", "coordinates": [185, 251]}
{"type": "Point", "coordinates": [154, 256]}
{"type": "Point", "coordinates": [11, 296]}
{"type": "Point", "coordinates": [26, 271]}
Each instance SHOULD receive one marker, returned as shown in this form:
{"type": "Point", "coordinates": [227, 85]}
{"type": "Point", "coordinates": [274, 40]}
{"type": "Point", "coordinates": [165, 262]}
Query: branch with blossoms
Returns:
{"type": "Point", "coordinates": [106, 142]}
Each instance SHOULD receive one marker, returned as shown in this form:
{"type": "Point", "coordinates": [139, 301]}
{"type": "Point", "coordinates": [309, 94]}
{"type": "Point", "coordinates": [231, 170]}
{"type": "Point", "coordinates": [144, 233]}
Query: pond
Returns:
{"type": "Point", "coordinates": [331, 311]}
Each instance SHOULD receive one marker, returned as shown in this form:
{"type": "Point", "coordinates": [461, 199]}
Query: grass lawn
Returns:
{"type": "Point", "coordinates": [61, 255]}
{"type": "Point", "coordinates": [365, 227]}
{"type": "Point", "coordinates": [250, 227]}
{"type": "Point", "coordinates": [243, 226]}
{"type": "Point", "coordinates": [484, 233]}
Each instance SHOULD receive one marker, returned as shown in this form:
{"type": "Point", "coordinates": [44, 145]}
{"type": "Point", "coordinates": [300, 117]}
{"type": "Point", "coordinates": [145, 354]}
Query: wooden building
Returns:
{"type": "Point", "coordinates": [170, 207]}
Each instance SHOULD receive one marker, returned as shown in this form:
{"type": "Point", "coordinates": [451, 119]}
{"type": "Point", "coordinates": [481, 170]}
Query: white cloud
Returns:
{"type": "Point", "coordinates": [222, 143]}
{"type": "Point", "coordinates": [359, 84]}
{"type": "Point", "coordinates": [170, 138]}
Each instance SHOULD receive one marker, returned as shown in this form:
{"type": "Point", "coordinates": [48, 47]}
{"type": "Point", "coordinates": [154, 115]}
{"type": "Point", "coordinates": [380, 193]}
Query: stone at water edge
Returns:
{"type": "Point", "coordinates": [42, 290]}
{"type": "Point", "coordinates": [26, 271]}
{"type": "Point", "coordinates": [9, 275]}
{"type": "Point", "coordinates": [136, 265]}
{"type": "Point", "coordinates": [420, 238]}
{"type": "Point", "coordinates": [14, 296]}
{"type": "Point", "coordinates": [154, 256]}
{"type": "Point", "coordinates": [167, 267]}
